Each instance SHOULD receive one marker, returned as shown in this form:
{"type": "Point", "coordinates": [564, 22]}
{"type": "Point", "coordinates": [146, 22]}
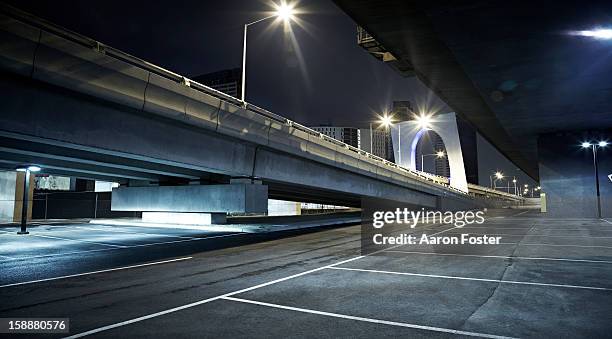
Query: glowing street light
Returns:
{"type": "Point", "coordinates": [385, 121]}
{"type": "Point", "coordinates": [284, 12]}
{"type": "Point", "coordinates": [498, 176]}
{"type": "Point", "coordinates": [594, 147]}
{"type": "Point", "coordinates": [424, 121]}
{"type": "Point", "coordinates": [602, 34]}
{"type": "Point", "coordinates": [26, 190]}
{"type": "Point", "coordinates": [439, 154]}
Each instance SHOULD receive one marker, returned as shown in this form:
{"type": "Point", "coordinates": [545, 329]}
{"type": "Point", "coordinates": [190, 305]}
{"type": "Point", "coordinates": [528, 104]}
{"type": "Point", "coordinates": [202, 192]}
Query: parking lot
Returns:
{"type": "Point", "coordinates": [548, 277]}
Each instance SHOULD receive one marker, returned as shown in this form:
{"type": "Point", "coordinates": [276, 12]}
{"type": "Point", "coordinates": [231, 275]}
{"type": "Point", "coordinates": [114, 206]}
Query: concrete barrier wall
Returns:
{"type": "Point", "coordinates": [232, 198]}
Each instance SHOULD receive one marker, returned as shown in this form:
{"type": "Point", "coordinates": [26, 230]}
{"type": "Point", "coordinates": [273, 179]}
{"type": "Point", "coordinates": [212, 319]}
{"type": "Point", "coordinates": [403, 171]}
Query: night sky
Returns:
{"type": "Point", "coordinates": [324, 78]}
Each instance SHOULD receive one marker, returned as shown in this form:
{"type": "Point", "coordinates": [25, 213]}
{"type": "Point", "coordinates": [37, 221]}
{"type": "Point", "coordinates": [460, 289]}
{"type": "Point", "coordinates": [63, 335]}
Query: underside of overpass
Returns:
{"type": "Point", "coordinates": [516, 71]}
{"type": "Point", "coordinates": [76, 107]}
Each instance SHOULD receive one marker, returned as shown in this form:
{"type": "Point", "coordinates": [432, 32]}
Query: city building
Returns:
{"type": "Point", "coordinates": [402, 110]}
{"type": "Point", "coordinates": [379, 144]}
{"type": "Point", "coordinates": [348, 135]}
{"type": "Point", "coordinates": [228, 81]}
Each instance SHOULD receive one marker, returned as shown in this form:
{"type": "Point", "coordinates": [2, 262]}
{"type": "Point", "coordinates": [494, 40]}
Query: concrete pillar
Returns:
{"type": "Point", "coordinates": [11, 195]}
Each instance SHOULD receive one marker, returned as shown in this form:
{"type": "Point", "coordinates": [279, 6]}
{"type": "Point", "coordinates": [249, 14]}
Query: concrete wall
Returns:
{"type": "Point", "coordinates": [233, 198]}
{"type": "Point", "coordinates": [567, 175]}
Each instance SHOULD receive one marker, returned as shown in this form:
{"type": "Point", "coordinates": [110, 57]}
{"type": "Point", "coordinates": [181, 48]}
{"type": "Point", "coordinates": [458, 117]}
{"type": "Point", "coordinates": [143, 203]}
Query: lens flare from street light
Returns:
{"type": "Point", "coordinates": [34, 168]}
{"type": "Point", "coordinates": [585, 144]}
{"type": "Point", "coordinates": [600, 33]}
{"type": "Point", "coordinates": [285, 11]}
{"type": "Point", "coordinates": [386, 120]}
{"type": "Point", "coordinates": [499, 175]}
{"type": "Point", "coordinates": [424, 121]}
{"type": "Point", "coordinates": [440, 154]}
{"type": "Point", "coordinates": [603, 143]}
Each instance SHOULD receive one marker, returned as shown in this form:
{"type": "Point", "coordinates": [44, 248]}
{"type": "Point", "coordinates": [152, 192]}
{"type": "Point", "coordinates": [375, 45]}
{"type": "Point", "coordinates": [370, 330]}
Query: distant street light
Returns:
{"type": "Point", "coordinates": [283, 11]}
{"type": "Point", "coordinates": [385, 121]}
{"type": "Point", "coordinates": [438, 154]}
{"type": "Point", "coordinates": [594, 147]}
{"type": "Point", "coordinates": [25, 200]}
{"type": "Point", "coordinates": [596, 33]}
{"type": "Point", "coordinates": [498, 176]}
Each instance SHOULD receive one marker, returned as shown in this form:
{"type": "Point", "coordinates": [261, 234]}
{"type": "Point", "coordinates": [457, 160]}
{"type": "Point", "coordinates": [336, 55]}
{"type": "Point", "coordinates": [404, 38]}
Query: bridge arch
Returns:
{"type": "Point", "coordinates": [405, 138]}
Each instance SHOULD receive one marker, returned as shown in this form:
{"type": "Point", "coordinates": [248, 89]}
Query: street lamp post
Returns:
{"type": "Point", "coordinates": [594, 148]}
{"type": "Point", "coordinates": [371, 140]}
{"type": "Point", "coordinates": [26, 190]}
{"type": "Point", "coordinates": [438, 154]}
{"type": "Point", "coordinates": [498, 176]}
{"type": "Point", "coordinates": [387, 121]}
{"type": "Point", "coordinates": [284, 12]}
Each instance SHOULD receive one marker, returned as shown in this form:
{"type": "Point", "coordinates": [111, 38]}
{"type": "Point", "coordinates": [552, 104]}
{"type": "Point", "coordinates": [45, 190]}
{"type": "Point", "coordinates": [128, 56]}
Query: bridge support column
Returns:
{"type": "Point", "coordinates": [191, 204]}
{"type": "Point", "coordinates": [11, 195]}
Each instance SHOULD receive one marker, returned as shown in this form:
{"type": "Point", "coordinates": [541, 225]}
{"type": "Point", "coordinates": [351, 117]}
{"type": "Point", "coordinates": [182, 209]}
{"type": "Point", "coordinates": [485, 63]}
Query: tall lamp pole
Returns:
{"type": "Point", "coordinates": [438, 154]}
{"type": "Point", "coordinates": [594, 147]}
{"type": "Point", "coordinates": [284, 12]}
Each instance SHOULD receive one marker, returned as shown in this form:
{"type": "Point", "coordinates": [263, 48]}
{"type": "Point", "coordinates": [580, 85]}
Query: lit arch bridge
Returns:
{"type": "Point", "coordinates": [80, 108]}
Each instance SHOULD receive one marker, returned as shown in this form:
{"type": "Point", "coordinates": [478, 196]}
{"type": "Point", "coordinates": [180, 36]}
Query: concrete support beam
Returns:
{"type": "Point", "coordinates": [11, 195]}
{"type": "Point", "coordinates": [233, 198]}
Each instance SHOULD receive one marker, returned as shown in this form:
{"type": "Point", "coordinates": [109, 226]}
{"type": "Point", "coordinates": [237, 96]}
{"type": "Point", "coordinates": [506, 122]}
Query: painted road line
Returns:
{"type": "Point", "coordinates": [95, 272]}
{"type": "Point", "coordinates": [201, 302]}
{"type": "Point", "coordinates": [536, 235]}
{"type": "Point", "coordinates": [472, 279]}
{"type": "Point", "coordinates": [122, 248]}
{"type": "Point", "coordinates": [76, 240]}
{"type": "Point", "coordinates": [553, 245]}
{"type": "Point", "coordinates": [204, 301]}
{"type": "Point", "coordinates": [108, 229]}
{"type": "Point", "coordinates": [502, 257]}
{"type": "Point", "coordinates": [369, 320]}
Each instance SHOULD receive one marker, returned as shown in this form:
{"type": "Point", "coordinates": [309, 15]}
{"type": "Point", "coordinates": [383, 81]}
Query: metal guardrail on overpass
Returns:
{"type": "Point", "coordinates": [109, 51]}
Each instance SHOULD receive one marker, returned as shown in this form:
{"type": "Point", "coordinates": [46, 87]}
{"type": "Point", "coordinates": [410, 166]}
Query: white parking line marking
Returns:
{"type": "Point", "coordinates": [204, 301]}
{"type": "Point", "coordinates": [502, 257]}
{"type": "Point", "coordinates": [77, 240]}
{"type": "Point", "coordinates": [609, 222]}
{"type": "Point", "coordinates": [553, 245]}
{"type": "Point", "coordinates": [125, 247]}
{"type": "Point", "coordinates": [514, 215]}
{"type": "Point", "coordinates": [536, 235]}
{"type": "Point", "coordinates": [96, 272]}
{"type": "Point", "coordinates": [369, 320]}
{"type": "Point", "coordinates": [135, 233]}
{"type": "Point", "coordinates": [539, 229]}
{"type": "Point", "coordinates": [473, 279]}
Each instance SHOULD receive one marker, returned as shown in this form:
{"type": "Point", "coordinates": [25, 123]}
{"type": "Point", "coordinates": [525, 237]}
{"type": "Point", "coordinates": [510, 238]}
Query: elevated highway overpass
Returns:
{"type": "Point", "coordinates": [78, 107]}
